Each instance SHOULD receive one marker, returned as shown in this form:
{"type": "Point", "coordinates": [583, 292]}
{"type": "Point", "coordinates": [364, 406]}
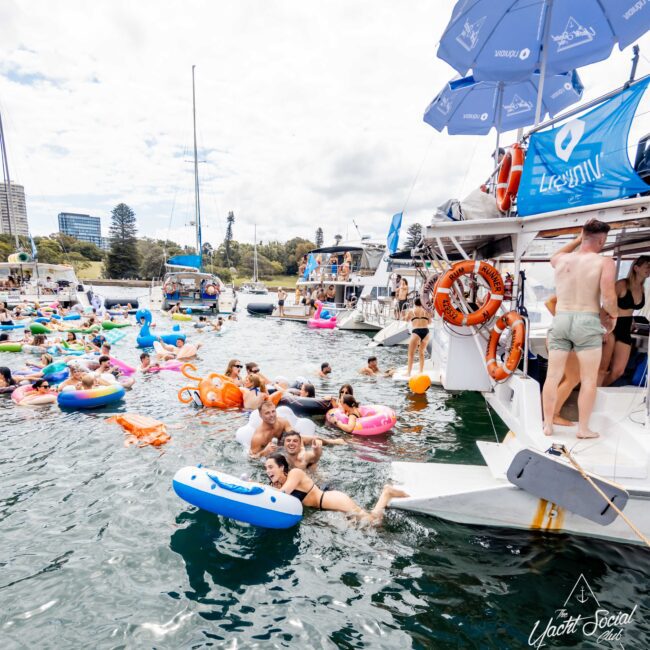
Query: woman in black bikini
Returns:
{"type": "Point", "coordinates": [419, 319]}
{"type": "Point", "coordinates": [631, 297]}
{"type": "Point", "coordinates": [296, 483]}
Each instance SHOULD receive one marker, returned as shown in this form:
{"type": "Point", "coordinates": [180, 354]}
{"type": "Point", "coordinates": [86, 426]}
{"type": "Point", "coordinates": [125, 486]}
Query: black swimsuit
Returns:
{"type": "Point", "coordinates": [623, 328]}
{"type": "Point", "coordinates": [422, 332]}
{"type": "Point", "coordinates": [300, 495]}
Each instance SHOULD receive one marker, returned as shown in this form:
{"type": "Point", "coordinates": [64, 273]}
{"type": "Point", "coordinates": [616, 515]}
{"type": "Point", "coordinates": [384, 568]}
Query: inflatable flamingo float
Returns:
{"type": "Point", "coordinates": [316, 322]}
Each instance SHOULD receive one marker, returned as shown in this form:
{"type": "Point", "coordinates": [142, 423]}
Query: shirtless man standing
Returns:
{"type": "Point", "coordinates": [583, 280]}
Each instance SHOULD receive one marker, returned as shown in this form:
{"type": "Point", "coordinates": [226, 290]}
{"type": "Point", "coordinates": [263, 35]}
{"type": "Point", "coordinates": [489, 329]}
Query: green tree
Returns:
{"type": "Point", "coordinates": [413, 236]}
{"type": "Point", "coordinates": [319, 237]}
{"type": "Point", "coordinates": [228, 239]}
{"type": "Point", "coordinates": [123, 259]}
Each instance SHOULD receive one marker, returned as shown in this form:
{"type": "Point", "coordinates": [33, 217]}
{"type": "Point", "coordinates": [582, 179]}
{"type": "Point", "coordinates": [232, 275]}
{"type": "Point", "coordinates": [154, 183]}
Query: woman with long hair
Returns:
{"type": "Point", "coordinates": [298, 484]}
{"type": "Point", "coordinates": [233, 370]}
{"type": "Point", "coordinates": [419, 321]}
{"type": "Point", "coordinates": [631, 297]}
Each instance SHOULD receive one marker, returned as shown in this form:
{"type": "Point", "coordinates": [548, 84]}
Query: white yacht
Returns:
{"type": "Point", "coordinates": [23, 281]}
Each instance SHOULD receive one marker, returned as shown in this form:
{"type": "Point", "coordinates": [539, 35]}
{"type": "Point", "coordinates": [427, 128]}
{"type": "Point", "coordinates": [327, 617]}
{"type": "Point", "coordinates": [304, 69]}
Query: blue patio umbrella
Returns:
{"type": "Point", "coordinates": [503, 39]}
{"type": "Point", "coordinates": [508, 40]}
{"type": "Point", "coordinates": [469, 107]}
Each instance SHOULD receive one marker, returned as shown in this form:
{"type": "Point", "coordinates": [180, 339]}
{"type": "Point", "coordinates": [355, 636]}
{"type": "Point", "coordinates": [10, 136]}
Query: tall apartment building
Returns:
{"type": "Point", "coordinates": [18, 224]}
{"type": "Point", "coordinates": [82, 226]}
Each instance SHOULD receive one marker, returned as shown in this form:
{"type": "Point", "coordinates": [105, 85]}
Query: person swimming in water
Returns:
{"type": "Point", "coordinates": [350, 407]}
{"type": "Point", "coordinates": [298, 484]}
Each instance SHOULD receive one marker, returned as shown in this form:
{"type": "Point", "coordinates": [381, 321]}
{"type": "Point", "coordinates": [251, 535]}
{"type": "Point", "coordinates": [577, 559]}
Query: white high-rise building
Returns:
{"type": "Point", "coordinates": [18, 224]}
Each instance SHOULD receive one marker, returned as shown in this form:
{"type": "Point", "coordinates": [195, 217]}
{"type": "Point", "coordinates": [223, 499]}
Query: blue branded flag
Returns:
{"type": "Point", "coordinates": [185, 260]}
{"type": "Point", "coordinates": [393, 232]}
{"type": "Point", "coordinates": [311, 266]}
{"type": "Point", "coordinates": [584, 160]}
{"type": "Point", "coordinates": [34, 249]}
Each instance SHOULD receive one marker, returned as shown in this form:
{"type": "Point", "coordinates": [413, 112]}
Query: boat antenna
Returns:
{"type": "Point", "coordinates": [197, 202]}
{"type": "Point", "coordinates": [8, 197]}
{"type": "Point", "coordinates": [357, 227]}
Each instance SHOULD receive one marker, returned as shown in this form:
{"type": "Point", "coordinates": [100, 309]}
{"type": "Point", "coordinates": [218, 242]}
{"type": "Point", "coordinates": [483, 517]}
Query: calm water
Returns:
{"type": "Point", "coordinates": [97, 551]}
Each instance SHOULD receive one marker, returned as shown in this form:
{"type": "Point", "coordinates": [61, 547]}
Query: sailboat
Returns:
{"type": "Point", "coordinates": [184, 282]}
{"type": "Point", "coordinates": [257, 286]}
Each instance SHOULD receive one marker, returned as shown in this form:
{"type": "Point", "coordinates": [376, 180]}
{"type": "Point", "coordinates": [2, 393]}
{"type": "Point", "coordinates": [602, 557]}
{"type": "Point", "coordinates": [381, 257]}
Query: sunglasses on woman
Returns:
{"type": "Point", "coordinates": [238, 366]}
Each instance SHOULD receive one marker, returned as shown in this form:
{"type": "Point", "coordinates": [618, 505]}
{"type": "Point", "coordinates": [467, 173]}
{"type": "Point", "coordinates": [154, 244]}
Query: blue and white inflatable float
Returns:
{"type": "Point", "coordinates": [231, 497]}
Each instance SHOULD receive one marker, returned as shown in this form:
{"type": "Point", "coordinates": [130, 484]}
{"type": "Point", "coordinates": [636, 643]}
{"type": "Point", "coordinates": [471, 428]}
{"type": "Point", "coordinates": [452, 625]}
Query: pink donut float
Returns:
{"type": "Point", "coordinates": [375, 419]}
{"type": "Point", "coordinates": [26, 391]}
{"type": "Point", "coordinates": [316, 322]}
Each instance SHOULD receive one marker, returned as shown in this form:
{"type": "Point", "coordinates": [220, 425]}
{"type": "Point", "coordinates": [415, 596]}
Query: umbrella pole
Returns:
{"type": "Point", "coordinates": [496, 150]}
{"type": "Point", "coordinates": [542, 75]}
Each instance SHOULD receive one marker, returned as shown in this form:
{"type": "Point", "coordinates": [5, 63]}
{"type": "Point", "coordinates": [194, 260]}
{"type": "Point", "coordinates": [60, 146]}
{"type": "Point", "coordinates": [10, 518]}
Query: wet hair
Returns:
{"type": "Point", "coordinates": [309, 389]}
{"type": "Point", "coordinates": [104, 358]}
{"type": "Point", "coordinates": [6, 375]}
{"type": "Point", "coordinates": [250, 365]}
{"type": "Point", "coordinates": [4, 336]}
{"type": "Point", "coordinates": [73, 335]}
{"type": "Point", "coordinates": [38, 383]}
{"type": "Point", "coordinates": [145, 355]}
{"type": "Point", "coordinates": [324, 365]}
{"type": "Point", "coordinates": [256, 382]}
{"type": "Point", "coordinates": [288, 434]}
{"type": "Point", "coordinates": [106, 345]}
{"type": "Point", "coordinates": [348, 387]}
{"type": "Point", "coordinates": [349, 400]}
{"type": "Point", "coordinates": [594, 227]}
{"type": "Point", "coordinates": [417, 302]}
{"type": "Point", "coordinates": [371, 359]}
{"type": "Point", "coordinates": [280, 461]}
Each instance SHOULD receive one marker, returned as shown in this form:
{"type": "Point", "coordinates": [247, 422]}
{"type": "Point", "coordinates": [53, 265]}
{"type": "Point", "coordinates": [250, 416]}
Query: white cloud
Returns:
{"type": "Point", "coordinates": [309, 113]}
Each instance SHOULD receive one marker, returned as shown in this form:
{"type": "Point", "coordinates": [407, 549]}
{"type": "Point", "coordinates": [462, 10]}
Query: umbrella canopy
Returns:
{"type": "Point", "coordinates": [502, 40]}
{"type": "Point", "coordinates": [469, 107]}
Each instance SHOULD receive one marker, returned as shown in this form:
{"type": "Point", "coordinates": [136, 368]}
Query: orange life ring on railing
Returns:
{"type": "Point", "coordinates": [428, 293]}
{"type": "Point", "coordinates": [212, 290]}
{"type": "Point", "coordinates": [510, 171]}
{"type": "Point", "coordinates": [170, 288]}
{"type": "Point", "coordinates": [516, 323]}
{"type": "Point", "coordinates": [442, 299]}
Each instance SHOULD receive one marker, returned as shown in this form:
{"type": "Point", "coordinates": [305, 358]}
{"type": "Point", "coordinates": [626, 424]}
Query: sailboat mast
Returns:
{"type": "Point", "coordinates": [255, 253]}
{"type": "Point", "coordinates": [197, 202]}
{"type": "Point", "coordinates": [5, 171]}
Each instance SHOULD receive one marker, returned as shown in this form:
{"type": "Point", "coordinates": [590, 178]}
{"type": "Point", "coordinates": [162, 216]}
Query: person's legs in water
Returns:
{"type": "Point", "coordinates": [569, 381]}
{"type": "Point", "coordinates": [341, 502]}
{"type": "Point", "coordinates": [556, 363]}
{"type": "Point", "coordinates": [589, 363]}
{"type": "Point", "coordinates": [389, 493]}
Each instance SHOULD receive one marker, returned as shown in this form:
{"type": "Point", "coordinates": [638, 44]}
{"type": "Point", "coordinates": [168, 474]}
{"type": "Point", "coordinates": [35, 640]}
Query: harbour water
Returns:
{"type": "Point", "coordinates": [97, 550]}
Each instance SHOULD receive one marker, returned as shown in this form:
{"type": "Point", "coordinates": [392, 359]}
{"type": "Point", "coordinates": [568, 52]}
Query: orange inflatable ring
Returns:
{"type": "Point", "coordinates": [442, 299]}
{"type": "Point", "coordinates": [510, 171]}
{"type": "Point", "coordinates": [212, 290]}
{"type": "Point", "coordinates": [516, 323]}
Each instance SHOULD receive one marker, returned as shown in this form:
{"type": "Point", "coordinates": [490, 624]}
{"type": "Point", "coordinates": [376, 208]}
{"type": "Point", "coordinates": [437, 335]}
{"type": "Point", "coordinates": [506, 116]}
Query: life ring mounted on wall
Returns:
{"type": "Point", "coordinates": [442, 298]}
{"type": "Point", "coordinates": [516, 323]}
{"type": "Point", "coordinates": [510, 172]}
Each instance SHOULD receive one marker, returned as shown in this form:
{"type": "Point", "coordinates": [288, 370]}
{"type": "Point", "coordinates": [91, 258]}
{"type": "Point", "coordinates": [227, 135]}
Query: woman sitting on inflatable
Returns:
{"type": "Point", "coordinates": [36, 394]}
{"type": "Point", "coordinates": [350, 407]}
{"type": "Point", "coordinates": [233, 370]}
{"type": "Point", "coordinates": [7, 382]}
{"type": "Point", "coordinates": [254, 392]}
{"type": "Point", "coordinates": [296, 483]}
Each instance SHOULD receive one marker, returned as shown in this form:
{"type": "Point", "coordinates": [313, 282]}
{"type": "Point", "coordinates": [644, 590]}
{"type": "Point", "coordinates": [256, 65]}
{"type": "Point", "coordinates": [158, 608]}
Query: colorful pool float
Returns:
{"type": "Point", "coordinates": [374, 420]}
{"type": "Point", "coordinates": [91, 398]}
{"type": "Point", "coordinates": [317, 322]}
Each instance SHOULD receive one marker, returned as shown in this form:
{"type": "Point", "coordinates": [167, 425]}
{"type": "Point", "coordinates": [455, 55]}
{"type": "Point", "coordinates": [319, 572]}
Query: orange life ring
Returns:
{"type": "Point", "coordinates": [510, 171]}
{"type": "Point", "coordinates": [170, 288]}
{"type": "Point", "coordinates": [516, 323]}
{"type": "Point", "coordinates": [427, 295]}
{"type": "Point", "coordinates": [212, 290]}
{"type": "Point", "coordinates": [442, 299]}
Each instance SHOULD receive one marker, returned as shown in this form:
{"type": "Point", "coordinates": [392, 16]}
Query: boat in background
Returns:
{"type": "Point", "coordinates": [184, 283]}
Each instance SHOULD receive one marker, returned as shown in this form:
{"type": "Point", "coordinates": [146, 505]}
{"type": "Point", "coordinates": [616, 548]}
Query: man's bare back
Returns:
{"type": "Point", "coordinates": [578, 280]}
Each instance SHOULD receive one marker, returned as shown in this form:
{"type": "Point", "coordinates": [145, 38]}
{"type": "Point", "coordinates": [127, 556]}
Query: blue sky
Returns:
{"type": "Point", "coordinates": [309, 113]}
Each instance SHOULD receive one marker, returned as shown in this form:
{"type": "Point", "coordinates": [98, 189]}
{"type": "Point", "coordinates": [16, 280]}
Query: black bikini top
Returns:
{"type": "Point", "coordinates": [300, 495]}
{"type": "Point", "coordinates": [627, 301]}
